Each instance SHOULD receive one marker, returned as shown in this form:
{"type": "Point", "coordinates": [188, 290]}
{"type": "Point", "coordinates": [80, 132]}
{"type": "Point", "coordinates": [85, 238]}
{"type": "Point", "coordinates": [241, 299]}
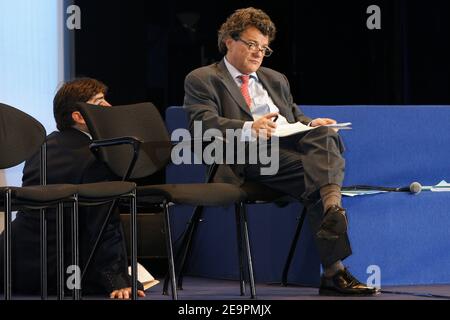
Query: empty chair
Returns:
{"type": "Point", "coordinates": [133, 141]}
{"type": "Point", "coordinates": [256, 193]}
{"type": "Point", "coordinates": [22, 137]}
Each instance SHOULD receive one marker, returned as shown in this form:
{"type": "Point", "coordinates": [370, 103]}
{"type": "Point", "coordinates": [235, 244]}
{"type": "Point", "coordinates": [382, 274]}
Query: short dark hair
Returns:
{"type": "Point", "coordinates": [240, 20]}
{"type": "Point", "coordinates": [72, 92]}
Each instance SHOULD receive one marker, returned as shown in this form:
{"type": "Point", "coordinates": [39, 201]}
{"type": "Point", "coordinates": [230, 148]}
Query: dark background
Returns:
{"type": "Point", "coordinates": [143, 49]}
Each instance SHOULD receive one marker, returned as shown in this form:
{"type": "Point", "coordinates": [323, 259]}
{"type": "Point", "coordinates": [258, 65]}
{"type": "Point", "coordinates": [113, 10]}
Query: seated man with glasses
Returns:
{"type": "Point", "coordinates": [231, 94]}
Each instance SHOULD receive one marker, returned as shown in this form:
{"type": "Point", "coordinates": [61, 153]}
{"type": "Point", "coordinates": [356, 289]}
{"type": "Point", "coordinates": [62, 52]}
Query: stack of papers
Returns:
{"type": "Point", "coordinates": [288, 129]}
{"type": "Point", "coordinates": [354, 193]}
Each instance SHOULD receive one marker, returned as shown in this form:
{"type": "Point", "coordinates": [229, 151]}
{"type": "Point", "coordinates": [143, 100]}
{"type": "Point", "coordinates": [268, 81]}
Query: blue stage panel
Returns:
{"type": "Point", "coordinates": [405, 235]}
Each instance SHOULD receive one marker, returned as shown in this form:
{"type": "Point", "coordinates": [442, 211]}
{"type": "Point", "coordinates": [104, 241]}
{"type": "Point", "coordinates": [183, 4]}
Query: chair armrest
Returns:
{"type": "Point", "coordinates": [189, 141]}
{"type": "Point", "coordinates": [133, 141]}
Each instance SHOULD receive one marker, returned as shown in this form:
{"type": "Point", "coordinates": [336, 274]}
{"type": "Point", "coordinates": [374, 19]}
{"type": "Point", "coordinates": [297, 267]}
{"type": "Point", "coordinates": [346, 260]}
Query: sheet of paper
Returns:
{"type": "Point", "coordinates": [340, 126]}
{"type": "Point", "coordinates": [144, 277]}
{"type": "Point", "coordinates": [441, 186]}
{"type": "Point", "coordinates": [288, 129]}
{"type": "Point", "coordinates": [354, 193]}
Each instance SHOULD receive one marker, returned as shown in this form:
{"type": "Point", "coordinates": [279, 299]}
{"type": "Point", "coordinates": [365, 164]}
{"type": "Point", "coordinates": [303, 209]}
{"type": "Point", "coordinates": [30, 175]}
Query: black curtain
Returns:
{"type": "Point", "coordinates": [143, 50]}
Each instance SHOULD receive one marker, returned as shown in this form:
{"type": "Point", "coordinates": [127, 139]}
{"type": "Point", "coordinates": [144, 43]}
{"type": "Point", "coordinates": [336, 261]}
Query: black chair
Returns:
{"type": "Point", "coordinates": [22, 136]}
{"type": "Point", "coordinates": [257, 193]}
{"type": "Point", "coordinates": [102, 193]}
{"type": "Point", "coordinates": [136, 135]}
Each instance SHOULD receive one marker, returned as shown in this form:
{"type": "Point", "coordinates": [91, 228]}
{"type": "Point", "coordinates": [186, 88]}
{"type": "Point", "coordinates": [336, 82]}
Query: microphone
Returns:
{"type": "Point", "coordinates": [414, 188]}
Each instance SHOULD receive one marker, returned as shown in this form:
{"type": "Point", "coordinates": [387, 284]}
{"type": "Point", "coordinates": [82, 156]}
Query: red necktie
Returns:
{"type": "Point", "coordinates": [245, 78]}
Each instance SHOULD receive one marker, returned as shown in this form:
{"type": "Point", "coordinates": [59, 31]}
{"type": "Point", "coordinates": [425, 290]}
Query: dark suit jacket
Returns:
{"type": "Point", "coordinates": [212, 97]}
{"type": "Point", "coordinates": [69, 161]}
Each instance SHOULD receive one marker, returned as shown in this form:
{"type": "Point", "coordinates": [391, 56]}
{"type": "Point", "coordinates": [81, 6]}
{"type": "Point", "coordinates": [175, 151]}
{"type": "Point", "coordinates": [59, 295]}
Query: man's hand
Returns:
{"type": "Point", "coordinates": [322, 122]}
{"type": "Point", "coordinates": [264, 126]}
{"type": "Point", "coordinates": [122, 294]}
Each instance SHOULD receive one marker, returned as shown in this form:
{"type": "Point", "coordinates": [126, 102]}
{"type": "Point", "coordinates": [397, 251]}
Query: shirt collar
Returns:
{"type": "Point", "coordinates": [235, 73]}
{"type": "Point", "coordinates": [86, 133]}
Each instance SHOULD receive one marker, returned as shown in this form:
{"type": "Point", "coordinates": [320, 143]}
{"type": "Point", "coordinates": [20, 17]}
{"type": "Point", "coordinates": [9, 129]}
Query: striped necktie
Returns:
{"type": "Point", "coordinates": [245, 78]}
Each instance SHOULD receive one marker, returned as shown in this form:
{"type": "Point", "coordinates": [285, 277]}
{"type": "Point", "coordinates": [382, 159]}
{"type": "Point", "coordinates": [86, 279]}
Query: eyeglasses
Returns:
{"type": "Point", "coordinates": [254, 47]}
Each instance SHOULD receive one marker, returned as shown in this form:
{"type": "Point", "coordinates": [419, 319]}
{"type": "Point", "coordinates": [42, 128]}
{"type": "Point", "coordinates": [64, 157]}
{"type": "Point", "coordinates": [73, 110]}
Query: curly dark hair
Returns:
{"type": "Point", "coordinates": [65, 101]}
{"type": "Point", "coordinates": [240, 20]}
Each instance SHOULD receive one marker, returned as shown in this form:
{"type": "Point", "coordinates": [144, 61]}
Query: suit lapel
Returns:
{"type": "Point", "coordinates": [231, 86]}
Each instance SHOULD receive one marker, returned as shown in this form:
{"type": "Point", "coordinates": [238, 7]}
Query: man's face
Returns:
{"type": "Point", "coordinates": [99, 100]}
{"type": "Point", "coordinates": [239, 53]}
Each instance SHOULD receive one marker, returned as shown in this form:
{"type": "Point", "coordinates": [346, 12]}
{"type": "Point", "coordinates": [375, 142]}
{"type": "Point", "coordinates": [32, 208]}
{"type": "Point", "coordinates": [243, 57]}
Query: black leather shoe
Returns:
{"type": "Point", "coordinates": [344, 283]}
{"type": "Point", "coordinates": [334, 223]}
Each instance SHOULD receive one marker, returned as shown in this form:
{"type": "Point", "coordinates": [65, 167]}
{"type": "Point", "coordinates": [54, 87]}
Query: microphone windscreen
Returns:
{"type": "Point", "coordinates": [415, 187]}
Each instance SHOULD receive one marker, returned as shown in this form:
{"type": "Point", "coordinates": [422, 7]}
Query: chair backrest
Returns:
{"type": "Point", "coordinates": [142, 121]}
{"type": "Point", "coordinates": [21, 136]}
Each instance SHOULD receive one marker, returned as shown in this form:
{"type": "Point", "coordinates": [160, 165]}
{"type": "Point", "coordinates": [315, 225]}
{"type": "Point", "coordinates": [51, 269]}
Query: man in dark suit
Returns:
{"type": "Point", "coordinates": [71, 161]}
{"type": "Point", "coordinates": [237, 93]}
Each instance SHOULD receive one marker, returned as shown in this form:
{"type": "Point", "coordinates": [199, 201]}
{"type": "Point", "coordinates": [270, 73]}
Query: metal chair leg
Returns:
{"type": "Point", "coordinates": [60, 251]}
{"type": "Point", "coordinates": [196, 218]}
{"type": "Point", "coordinates": [7, 246]}
{"type": "Point", "coordinates": [76, 293]}
{"type": "Point", "coordinates": [98, 239]}
{"type": "Point", "coordinates": [170, 250]}
{"type": "Point", "coordinates": [240, 251]}
{"type": "Point", "coordinates": [43, 253]}
{"type": "Point", "coordinates": [186, 243]}
{"type": "Point", "coordinates": [133, 233]}
{"type": "Point", "coordinates": [248, 251]}
{"type": "Point", "coordinates": [293, 246]}
{"type": "Point", "coordinates": [184, 248]}
{"type": "Point", "coordinates": [43, 223]}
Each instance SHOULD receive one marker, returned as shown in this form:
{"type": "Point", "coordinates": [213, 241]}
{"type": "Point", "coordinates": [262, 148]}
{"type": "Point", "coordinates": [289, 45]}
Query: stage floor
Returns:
{"type": "Point", "coordinates": [213, 289]}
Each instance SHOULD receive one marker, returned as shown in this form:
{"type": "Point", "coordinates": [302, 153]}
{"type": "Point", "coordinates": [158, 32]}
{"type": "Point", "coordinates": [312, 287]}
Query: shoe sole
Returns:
{"type": "Point", "coordinates": [332, 292]}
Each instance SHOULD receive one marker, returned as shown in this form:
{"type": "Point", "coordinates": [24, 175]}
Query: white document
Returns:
{"type": "Point", "coordinates": [144, 277]}
{"type": "Point", "coordinates": [441, 186]}
{"type": "Point", "coordinates": [355, 193]}
{"type": "Point", "coordinates": [288, 129]}
{"type": "Point", "coordinates": [340, 126]}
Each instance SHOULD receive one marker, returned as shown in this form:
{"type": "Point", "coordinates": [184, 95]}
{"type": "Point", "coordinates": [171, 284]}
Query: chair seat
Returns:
{"type": "Point", "coordinates": [104, 190]}
{"type": "Point", "coordinates": [258, 192]}
{"type": "Point", "coordinates": [212, 194]}
{"type": "Point", "coordinates": [43, 194]}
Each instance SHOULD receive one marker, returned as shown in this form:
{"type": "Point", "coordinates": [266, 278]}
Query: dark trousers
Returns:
{"type": "Point", "coordinates": [108, 270]}
{"type": "Point", "coordinates": [307, 162]}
